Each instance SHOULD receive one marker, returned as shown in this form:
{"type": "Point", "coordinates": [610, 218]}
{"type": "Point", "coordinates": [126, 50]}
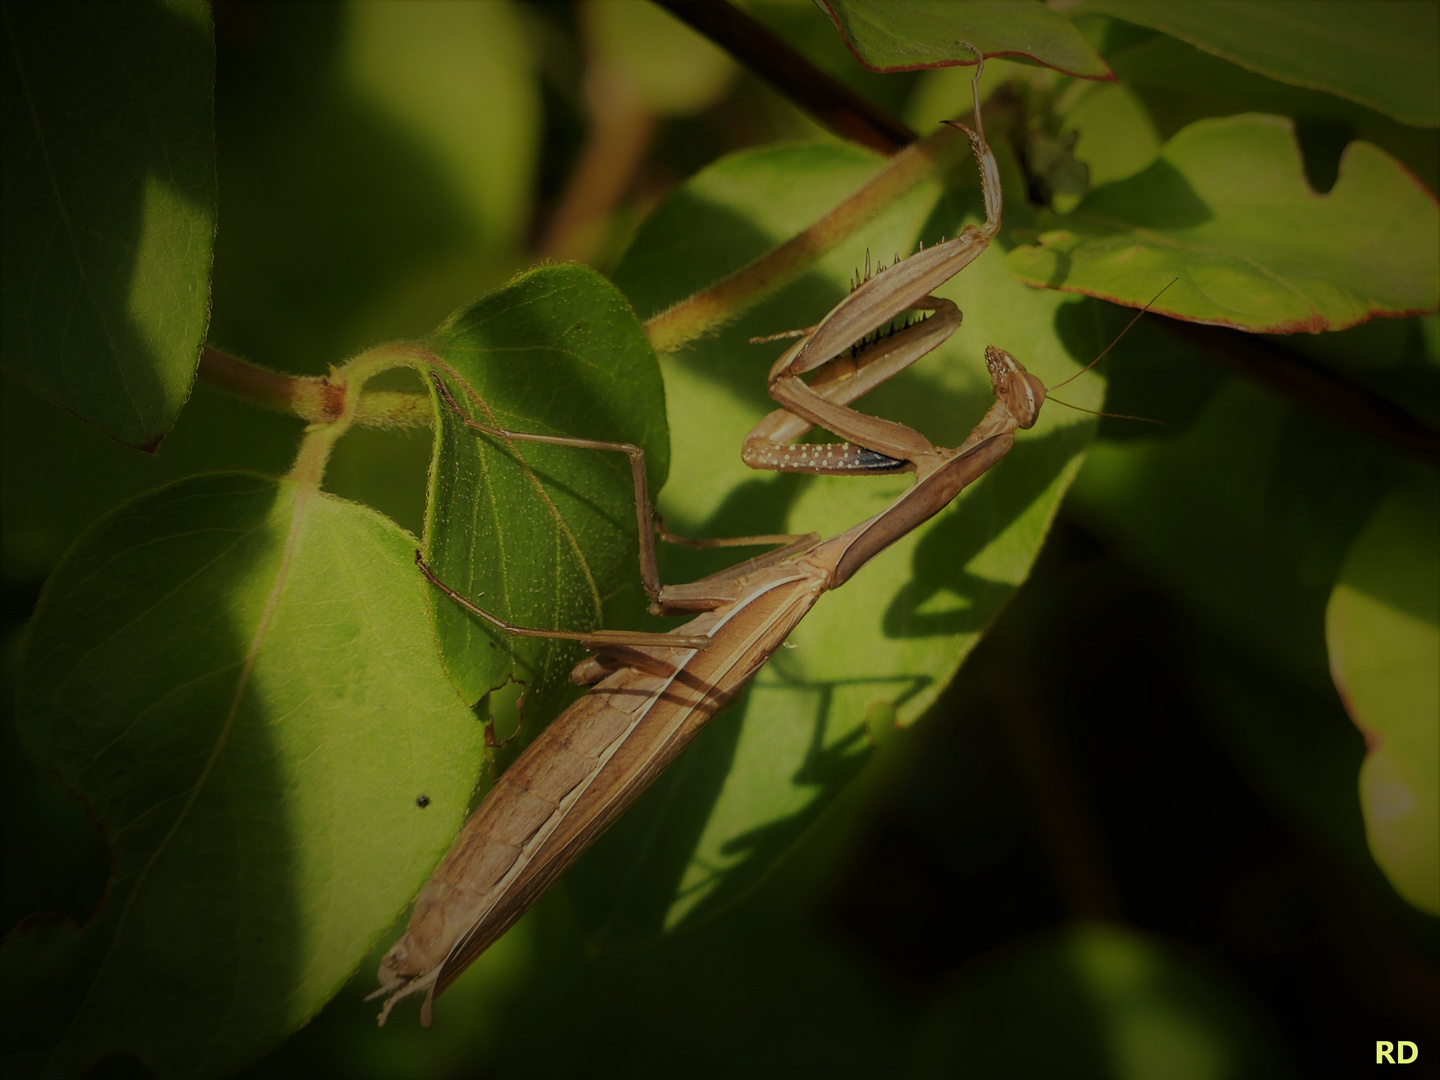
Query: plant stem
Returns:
{"type": "Point", "coordinates": [317, 399]}
{"type": "Point", "coordinates": [347, 382]}
{"type": "Point", "coordinates": [727, 299]}
{"type": "Point", "coordinates": [824, 97]}
{"type": "Point", "coordinates": [621, 130]}
{"type": "Point", "coordinates": [1277, 368]}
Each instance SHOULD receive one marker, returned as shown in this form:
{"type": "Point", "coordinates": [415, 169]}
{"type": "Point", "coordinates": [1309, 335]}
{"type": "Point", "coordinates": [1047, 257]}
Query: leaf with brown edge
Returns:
{"type": "Point", "coordinates": [1227, 212]}
{"type": "Point", "coordinates": [904, 35]}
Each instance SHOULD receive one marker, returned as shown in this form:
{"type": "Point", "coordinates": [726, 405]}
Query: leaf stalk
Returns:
{"type": "Point", "coordinates": [711, 308]}
{"type": "Point", "coordinates": [316, 399]}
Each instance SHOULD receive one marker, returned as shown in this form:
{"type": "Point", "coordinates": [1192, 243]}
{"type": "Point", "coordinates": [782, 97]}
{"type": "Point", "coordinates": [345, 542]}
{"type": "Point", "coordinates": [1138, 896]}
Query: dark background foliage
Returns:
{"type": "Point", "coordinates": [1125, 841]}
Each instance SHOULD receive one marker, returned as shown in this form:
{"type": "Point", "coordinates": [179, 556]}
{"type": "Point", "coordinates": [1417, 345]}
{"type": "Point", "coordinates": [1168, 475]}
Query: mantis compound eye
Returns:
{"type": "Point", "coordinates": [1034, 399]}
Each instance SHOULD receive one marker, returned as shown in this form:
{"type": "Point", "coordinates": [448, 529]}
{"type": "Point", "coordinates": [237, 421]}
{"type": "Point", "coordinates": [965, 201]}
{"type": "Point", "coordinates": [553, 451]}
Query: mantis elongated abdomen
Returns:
{"type": "Point", "coordinates": [581, 773]}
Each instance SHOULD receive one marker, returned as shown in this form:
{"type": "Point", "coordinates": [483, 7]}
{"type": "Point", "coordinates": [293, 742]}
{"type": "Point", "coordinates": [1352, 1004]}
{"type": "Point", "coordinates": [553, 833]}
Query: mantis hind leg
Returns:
{"type": "Point", "coordinates": [591, 639]}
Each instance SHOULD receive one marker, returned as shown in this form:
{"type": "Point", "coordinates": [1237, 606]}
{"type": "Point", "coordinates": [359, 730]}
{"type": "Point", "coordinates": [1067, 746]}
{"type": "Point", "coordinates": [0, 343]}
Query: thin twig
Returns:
{"type": "Point", "coordinates": [621, 129]}
{"type": "Point", "coordinates": [1068, 829]}
{"type": "Point", "coordinates": [1287, 373]}
{"type": "Point", "coordinates": [727, 299]}
{"type": "Point", "coordinates": [829, 101]}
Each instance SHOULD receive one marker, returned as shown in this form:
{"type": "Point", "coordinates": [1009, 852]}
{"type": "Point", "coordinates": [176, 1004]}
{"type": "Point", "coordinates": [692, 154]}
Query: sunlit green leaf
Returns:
{"type": "Point", "coordinates": [1383, 629]}
{"type": "Point", "coordinates": [109, 207]}
{"type": "Point", "coordinates": [1227, 213]}
{"type": "Point", "coordinates": [902, 35]}
{"type": "Point", "coordinates": [884, 646]}
{"type": "Point", "coordinates": [1177, 84]}
{"type": "Point", "coordinates": [238, 676]}
{"type": "Point", "coordinates": [1382, 54]}
{"type": "Point", "coordinates": [542, 536]}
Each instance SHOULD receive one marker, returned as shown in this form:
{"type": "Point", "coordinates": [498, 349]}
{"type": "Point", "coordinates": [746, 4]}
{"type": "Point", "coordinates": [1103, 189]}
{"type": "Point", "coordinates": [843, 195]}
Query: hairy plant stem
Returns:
{"type": "Point", "coordinates": [348, 383]}
{"type": "Point", "coordinates": [822, 96]}
{"type": "Point", "coordinates": [317, 399]}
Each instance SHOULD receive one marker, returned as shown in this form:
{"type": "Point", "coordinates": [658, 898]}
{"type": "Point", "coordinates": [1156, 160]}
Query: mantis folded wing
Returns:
{"type": "Point", "coordinates": [653, 693]}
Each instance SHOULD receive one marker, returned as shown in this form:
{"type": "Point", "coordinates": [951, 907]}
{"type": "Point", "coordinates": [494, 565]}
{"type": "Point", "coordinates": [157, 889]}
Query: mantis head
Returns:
{"type": "Point", "coordinates": [1018, 390]}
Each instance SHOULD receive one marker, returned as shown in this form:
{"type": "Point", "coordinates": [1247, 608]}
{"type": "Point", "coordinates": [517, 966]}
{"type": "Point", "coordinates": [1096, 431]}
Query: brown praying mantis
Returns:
{"type": "Point", "coordinates": [652, 693]}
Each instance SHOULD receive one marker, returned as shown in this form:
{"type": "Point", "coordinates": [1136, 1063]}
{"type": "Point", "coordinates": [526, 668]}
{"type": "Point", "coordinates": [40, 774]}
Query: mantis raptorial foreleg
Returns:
{"type": "Point", "coordinates": [849, 364]}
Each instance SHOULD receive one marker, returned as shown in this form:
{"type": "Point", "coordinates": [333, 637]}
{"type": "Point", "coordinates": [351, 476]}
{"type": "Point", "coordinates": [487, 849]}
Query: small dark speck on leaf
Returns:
{"type": "Point", "coordinates": [422, 801]}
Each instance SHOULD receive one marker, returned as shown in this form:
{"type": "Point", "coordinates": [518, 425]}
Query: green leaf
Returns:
{"type": "Point", "coordinates": [902, 35]}
{"type": "Point", "coordinates": [542, 536]}
{"type": "Point", "coordinates": [57, 477]}
{"type": "Point", "coordinates": [1177, 84]}
{"type": "Point", "coordinates": [1226, 211]}
{"type": "Point", "coordinates": [109, 207]}
{"type": "Point", "coordinates": [237, 675]}
{"type": "Point", "coordinates": [1383, 629]}
{"type": "Point", "coordinates": [1384, 55]}
{"type": "Point", "coordinates": [884, 646]}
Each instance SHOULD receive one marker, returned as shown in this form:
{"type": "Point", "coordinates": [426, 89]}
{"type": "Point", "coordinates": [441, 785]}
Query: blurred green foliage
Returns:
{"type": "Point", "coordinates": [109, 213]}
{"type": "Point", "coordinates": [1139, 833]}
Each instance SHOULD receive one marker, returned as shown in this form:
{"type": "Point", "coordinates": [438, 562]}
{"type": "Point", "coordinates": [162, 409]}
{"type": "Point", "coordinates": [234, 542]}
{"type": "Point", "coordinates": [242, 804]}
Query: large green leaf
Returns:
{"type": "Point", "coordinates": [902, 35]}
{"type": "Point", "coordinates": [109, 207]}
{"type": "Point", "coordinates": [238, 676]}
{"type": "Point", "coordinates": [1383, 629]}
{"type": "Point", "coordinates": [542, 536]}
{"type": "Point", "coordinates": [1226, 211]}
{"type": "Point", "coordinates": [1384, 55]}
{"type": "Point", "coordinates": [1176, 84]}
{"type": "Point", "coordinates": [882, 648]}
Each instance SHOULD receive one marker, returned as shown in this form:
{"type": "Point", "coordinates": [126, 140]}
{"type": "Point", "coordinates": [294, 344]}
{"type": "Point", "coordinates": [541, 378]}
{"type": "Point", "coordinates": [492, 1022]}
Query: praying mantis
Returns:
{"type": "Point", "coordinates": [652, 693]}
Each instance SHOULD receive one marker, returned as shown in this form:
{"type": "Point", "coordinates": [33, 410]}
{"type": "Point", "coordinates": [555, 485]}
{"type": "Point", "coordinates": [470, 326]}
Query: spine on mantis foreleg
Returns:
{"type": "Point", "coordinates": [903, 285]}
